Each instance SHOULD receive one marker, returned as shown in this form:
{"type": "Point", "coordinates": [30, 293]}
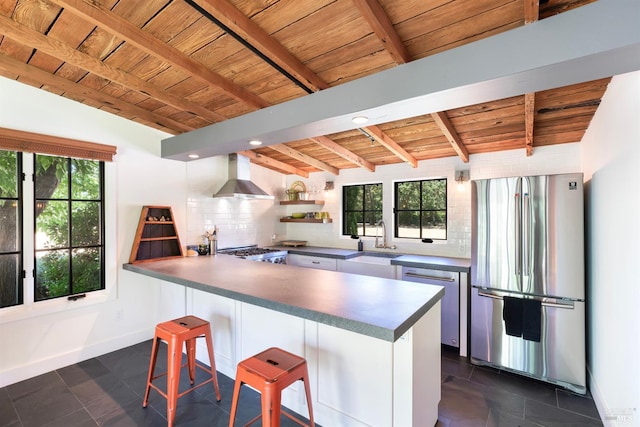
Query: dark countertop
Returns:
{"type": "Point", "coordinates": [462, 265]}
{"type": "Point", "coordinates": [380, 308]}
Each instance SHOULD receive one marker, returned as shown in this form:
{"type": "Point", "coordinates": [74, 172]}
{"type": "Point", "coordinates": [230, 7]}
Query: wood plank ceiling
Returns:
{"type": "Point", "coordinates": [179, 65]}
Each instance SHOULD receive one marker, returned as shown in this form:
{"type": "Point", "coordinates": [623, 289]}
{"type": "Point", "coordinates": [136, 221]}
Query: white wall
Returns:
{"type": "Point", "coordinates": [48, 335]}
{"type": "Point", "coordinates": [611, 150]}
{"type": "Point", "coordinates": [545, 160]}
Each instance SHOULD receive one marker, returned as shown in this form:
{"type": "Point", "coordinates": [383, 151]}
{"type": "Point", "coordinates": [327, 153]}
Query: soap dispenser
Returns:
{"type": "Point", "coordinates": [360, 245]}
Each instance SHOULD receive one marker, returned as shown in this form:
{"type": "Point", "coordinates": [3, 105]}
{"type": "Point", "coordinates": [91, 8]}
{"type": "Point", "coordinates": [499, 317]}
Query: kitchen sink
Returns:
{"type": "Point", "coordinates": [389, 255]}
{"type": "Point", "coordinates": [381, 258]}
{"type": "Point", "coordinates": [376, 264]}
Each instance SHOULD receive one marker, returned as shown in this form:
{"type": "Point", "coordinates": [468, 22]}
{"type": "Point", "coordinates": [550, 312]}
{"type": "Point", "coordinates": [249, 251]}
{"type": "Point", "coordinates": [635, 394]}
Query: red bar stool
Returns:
{"type": "Point", "coordinates": [270, 372]}
{"type": "Point", "coordinates": [177, 332]}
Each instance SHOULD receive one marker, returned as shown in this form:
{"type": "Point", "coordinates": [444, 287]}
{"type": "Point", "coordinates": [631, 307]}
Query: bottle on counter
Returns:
{"type": "Point", "coordinates": [360, 245]}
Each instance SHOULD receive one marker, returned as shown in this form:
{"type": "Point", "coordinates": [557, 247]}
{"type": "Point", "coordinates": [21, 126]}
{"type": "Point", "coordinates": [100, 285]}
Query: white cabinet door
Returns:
{"type": "Point", "coordinates": [221, 313]}
{"type": "Point", "coordinates": [320, 263]}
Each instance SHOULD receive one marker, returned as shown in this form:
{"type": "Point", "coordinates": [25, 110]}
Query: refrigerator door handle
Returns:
{"type": "Point", "coordinates": [526, 234]}
{"type": "Point", "coordinates": [569, 305]}
{"type": "Point", "coordinates": [517, 232]}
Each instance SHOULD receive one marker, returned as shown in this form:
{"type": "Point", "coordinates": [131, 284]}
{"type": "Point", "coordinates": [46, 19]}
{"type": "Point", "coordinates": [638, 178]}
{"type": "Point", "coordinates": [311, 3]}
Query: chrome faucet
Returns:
{"type": "Point", "coordinates": [384, 237]}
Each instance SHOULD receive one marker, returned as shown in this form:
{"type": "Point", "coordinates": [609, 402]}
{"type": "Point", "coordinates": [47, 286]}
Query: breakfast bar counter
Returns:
{"type": "Point", "coordinates": [372, 344]}
{"type": "Point", "coordinates": [380, 308]}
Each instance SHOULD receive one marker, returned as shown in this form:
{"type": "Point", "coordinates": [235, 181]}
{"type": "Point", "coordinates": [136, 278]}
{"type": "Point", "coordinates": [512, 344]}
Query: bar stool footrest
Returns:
{"type": "Point", "coordinates": [291, 417]}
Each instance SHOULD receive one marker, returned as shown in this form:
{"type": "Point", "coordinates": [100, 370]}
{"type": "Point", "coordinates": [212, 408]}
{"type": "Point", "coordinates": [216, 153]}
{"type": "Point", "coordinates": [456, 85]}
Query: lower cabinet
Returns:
{"type": "Point", "coordinates": [450, 280]}
{"type": "Point", "coordinates": [356, 380]}
{"type": "Point", "coordinates": [320, 263]}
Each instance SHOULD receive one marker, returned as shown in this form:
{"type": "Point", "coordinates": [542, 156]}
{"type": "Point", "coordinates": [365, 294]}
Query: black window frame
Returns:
{"type": "Point", "coordinates": [363, 211]}
{"type": "Point", "coordinates": [397, 210]}
{"type": "Point", "coordinates": [71, 295]}
{"type": "Point", "coordinates": [19, 200]}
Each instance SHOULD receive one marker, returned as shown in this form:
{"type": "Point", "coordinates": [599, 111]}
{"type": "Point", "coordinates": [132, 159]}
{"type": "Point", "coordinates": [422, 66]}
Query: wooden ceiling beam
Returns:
{"type": "Point", "coordinates": [343, 152]}
{"type": "Point", "coordinates": [531, 14]}
{"type": "Point", "coordinates": [66, 53]}
{"type": "Point", "coordinates": [382, 26]}
{"type": "Point", "coordinates": [238, 22]}
{"type": "Point", "coordinates": [450, 133]}
{"type": "Point", "coordinates": [79, 91]}
{"type": "Point", "coordinates": [273, 163]}
{"type": "Point", "coordinates": [116, 25]}
{"type": "Point", "coordinates": [531, 11]}
{"type": "Point", "coordinates": [529, 118]}
{"type": "Point", "coordinates": [387, 142]}
{"type": "Point", "coordinates": [295, 154]}
{"type": "Point", "coordinates": [120, 27]}
{"type": "Point", "coordinates": [242, 25]}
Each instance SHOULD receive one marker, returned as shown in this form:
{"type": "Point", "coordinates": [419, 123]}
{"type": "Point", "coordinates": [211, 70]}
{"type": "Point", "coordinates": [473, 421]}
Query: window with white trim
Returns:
{"type": "Point", "coordinates": [67, 228]}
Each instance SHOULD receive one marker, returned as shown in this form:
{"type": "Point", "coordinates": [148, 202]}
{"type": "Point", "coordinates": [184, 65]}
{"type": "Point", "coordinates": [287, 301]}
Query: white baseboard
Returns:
{"type": "Point", "coordinates": [608, 418]}
{"type": "Point", "coordinates": [39, 367]}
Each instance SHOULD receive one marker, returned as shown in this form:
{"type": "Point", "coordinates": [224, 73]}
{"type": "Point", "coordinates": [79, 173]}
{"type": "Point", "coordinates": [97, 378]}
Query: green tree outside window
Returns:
{"type": "Point", "coordinates": [69, 226]}
{"type": "Point", "coordinates": [11, 289]}
{"type": "Point", "coordinates": [421, 209]}
{"type": "Point", "coordinates": [361, 209]}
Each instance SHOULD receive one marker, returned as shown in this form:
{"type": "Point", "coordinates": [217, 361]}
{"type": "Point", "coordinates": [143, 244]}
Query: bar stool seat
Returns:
{"type": "Point", "coordinates": [175, 333]}
{"type": "Point", "coordinates": [270, 372]}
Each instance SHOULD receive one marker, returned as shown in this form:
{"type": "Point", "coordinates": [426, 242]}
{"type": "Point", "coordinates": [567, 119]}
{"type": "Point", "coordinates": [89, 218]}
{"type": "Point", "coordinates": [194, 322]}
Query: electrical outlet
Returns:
{"type": "Point", "coordinates": [273, 237]}
{"type": "Point", "coordinates": [119, 314]}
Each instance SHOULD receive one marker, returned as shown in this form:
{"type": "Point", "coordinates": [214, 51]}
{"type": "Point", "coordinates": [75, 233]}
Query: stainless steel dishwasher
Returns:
{"type": "Point", "coordinates": [450, 304]}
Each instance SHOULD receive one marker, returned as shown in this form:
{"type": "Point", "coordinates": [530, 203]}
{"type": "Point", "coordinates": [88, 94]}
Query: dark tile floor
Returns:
{"type": "Point", "coordinates": [108, 390]}
{"type": "Point", "coordinates": [481, 396]}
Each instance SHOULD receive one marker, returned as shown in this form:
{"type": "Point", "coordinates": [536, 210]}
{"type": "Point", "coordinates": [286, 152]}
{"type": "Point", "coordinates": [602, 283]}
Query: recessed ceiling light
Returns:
{"type": "Point", "coordinates": [194, 156]}
{"type": "Point", "coordinates": [360, 119]}
{"type": "Point", "coordinates": [255, 142]}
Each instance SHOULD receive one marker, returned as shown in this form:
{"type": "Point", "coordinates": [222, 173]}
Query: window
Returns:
{"type": "Point", "coordinates": [421, 209]}
{"type": "Point", "coordinates": [361, 209]}
{"type": "Point", "coordinates": [52, 223]}
{"type": "Point", "coordinates": [11, 290]}
{"type": "Point", "coordinates": [69, 226]}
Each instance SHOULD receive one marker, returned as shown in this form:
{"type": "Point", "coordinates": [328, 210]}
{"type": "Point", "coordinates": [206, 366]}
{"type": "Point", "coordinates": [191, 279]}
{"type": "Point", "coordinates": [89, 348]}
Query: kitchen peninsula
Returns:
{"type": "Point", "coordinates": [372, 344]}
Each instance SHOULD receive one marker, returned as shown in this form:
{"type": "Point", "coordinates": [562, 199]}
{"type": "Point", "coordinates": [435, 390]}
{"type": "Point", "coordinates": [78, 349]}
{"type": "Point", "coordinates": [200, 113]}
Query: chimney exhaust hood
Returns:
{"type": "Point", "coordinates": [239, 184]}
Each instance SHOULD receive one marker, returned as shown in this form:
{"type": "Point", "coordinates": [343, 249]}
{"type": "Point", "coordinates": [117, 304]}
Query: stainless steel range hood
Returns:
{"type": "Point", "coordinates": [239, 184]}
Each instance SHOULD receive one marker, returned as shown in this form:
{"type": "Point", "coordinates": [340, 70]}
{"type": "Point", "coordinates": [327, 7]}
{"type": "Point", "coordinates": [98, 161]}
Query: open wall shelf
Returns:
{"type": "Point", "coordinates": [302, 202]}
{"type": "Point", "coordinates": [156, 237]}
{"type": "Point", "coordinates": [308, 220]}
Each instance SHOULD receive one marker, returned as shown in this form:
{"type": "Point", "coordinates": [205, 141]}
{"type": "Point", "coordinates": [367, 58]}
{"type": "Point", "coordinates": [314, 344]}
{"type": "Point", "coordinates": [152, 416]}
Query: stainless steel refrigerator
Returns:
{"type": "Point", "coordinates": [527, 277]}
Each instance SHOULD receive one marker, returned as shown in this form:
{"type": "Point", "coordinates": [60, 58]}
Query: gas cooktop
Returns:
{"type": "Point", "coordinates": [255, 253]}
